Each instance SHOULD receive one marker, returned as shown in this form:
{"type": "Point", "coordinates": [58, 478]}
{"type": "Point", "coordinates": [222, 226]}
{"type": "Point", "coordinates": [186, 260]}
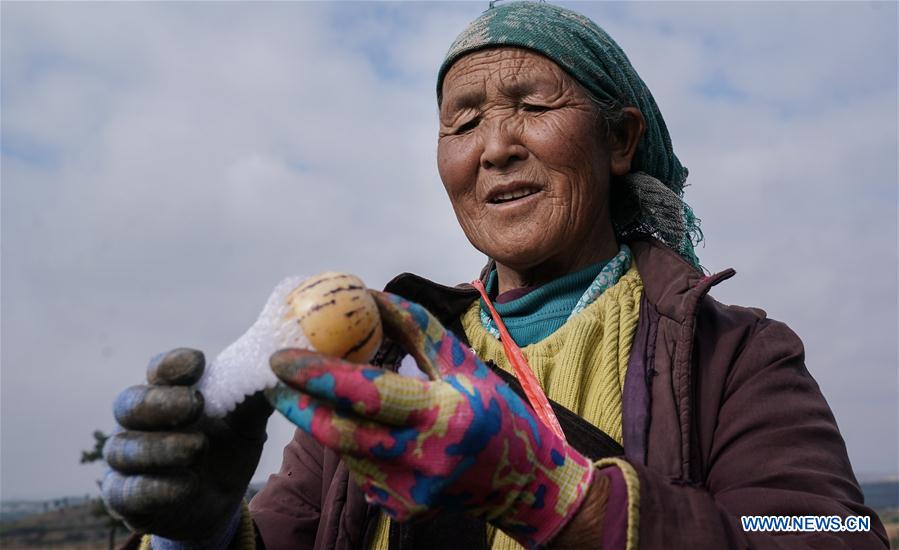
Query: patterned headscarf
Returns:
{"type": "Point", "coordinates": [652, 202]}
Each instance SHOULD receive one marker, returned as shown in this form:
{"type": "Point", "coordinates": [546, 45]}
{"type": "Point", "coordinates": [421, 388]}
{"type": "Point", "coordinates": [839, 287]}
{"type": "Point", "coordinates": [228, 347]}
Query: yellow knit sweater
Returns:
{"type": "Point", "coordinates": [581, 366]}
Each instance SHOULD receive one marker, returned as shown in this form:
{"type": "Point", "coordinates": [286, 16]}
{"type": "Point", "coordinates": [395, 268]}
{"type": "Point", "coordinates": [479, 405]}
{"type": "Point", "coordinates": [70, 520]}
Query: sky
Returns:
{"type": "Point", "coordinates": [164, 165]}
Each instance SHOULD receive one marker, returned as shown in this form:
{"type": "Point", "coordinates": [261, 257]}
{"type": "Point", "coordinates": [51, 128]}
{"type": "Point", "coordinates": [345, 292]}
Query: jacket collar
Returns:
{"type": "Point", "coordinates": [444, 302]}
{"type": "Point", "coordinates": [670, 283]}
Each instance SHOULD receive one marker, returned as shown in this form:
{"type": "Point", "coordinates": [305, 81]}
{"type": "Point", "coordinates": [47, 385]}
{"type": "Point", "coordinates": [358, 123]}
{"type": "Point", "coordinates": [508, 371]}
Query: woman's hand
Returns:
{"type": "Point", "coordinates": [173, 471]}
{"type": "Point", "coordinates": [463, 439]}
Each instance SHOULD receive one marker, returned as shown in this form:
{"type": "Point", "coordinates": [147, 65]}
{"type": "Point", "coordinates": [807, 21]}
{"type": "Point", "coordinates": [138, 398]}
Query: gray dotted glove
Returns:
{"type": "Point", "coordinates": [175, 472]}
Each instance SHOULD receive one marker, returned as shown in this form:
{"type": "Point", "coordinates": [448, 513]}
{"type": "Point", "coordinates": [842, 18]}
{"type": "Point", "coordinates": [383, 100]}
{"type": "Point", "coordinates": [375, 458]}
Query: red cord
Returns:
{"type": "Point", "coordinates": [529, 383]}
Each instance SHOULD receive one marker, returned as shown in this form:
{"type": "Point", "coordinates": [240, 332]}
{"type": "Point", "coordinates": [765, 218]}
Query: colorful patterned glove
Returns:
{"type": "Point", "coordinates": [463, 439]}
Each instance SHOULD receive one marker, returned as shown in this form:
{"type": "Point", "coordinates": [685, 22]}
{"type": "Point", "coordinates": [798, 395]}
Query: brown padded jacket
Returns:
{"type": "Point", "coordinates": [720, 419]}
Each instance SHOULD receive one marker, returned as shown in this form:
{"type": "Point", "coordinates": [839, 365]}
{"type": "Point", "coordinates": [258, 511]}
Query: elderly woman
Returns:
{"type": "Point", "coordinates": [585, 392]}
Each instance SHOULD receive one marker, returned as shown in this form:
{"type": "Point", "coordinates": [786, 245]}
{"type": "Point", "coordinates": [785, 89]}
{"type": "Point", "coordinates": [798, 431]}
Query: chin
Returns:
{"type": "Point", "coordinates": [521, 256]}
{"type": "Point", "coordinates": [516, 245]}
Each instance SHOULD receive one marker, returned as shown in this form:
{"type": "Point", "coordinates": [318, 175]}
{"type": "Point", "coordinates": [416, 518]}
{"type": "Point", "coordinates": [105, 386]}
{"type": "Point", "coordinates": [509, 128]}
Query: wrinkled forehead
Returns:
{"type": "Point", "coordinates": [511, 71]}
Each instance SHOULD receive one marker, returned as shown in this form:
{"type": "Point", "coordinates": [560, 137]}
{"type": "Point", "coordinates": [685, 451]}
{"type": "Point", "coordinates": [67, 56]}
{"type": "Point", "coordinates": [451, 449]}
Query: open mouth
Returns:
{"type": "Point", "coordinates": [510, 196]}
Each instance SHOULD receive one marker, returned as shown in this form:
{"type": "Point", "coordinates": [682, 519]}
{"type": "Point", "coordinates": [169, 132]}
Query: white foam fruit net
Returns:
{"type": "Point", "coordinates": [242, 368]}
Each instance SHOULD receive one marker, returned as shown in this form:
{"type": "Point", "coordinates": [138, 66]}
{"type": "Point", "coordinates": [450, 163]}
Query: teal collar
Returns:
{"type": "Point", "coordinates": [540, 312]}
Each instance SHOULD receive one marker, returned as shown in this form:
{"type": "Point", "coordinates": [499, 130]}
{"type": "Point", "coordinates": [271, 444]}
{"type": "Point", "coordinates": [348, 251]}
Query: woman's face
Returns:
{"type": "Point", "coordinates": [524, 162]}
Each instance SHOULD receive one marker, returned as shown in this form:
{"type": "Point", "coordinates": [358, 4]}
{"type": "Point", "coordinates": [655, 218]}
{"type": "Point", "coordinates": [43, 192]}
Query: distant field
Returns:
{"type": "Point", "coordinates": [890, 520]}
{"type": "Point", "coordinates": [73, 527]}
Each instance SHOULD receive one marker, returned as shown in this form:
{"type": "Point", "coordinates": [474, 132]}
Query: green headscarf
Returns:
{"type": "Point", "coordinates": [587, 53]}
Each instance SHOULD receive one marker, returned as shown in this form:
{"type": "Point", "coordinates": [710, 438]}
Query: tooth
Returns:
{"type": "Point", "coordinates": [512, 195]}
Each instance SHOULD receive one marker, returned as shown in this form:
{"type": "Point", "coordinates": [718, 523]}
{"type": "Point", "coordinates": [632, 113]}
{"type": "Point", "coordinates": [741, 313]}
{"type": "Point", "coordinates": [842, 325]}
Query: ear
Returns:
{"type": "Point", "coordinates": [624, 143]}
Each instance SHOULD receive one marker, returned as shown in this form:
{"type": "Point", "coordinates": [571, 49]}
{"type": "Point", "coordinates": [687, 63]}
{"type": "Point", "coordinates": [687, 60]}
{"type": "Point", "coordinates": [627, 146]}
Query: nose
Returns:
{"type": "Point", "coordinates": [502, 144]}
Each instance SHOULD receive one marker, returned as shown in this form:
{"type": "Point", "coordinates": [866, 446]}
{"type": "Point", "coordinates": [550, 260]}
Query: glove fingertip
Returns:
{"type": "Point", "coordinates": [178, 367]}
{"type": "Point", "coordinates": [286, 363]}
{"type": "Point", "coordinates": [157, 407]}
{"type": "Point", "coordinates": [136, 495]}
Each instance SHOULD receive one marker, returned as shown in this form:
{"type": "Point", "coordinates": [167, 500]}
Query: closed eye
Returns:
{"type": "Point", "coordinates": [531, 108]}
{"type": "Point", "coordinates": [468, 126]}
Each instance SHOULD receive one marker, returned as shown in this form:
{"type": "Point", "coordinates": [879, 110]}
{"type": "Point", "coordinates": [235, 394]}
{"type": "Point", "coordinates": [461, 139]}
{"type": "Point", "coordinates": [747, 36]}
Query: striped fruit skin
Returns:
{"type": "Point", "coordinates": [338, 316]}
